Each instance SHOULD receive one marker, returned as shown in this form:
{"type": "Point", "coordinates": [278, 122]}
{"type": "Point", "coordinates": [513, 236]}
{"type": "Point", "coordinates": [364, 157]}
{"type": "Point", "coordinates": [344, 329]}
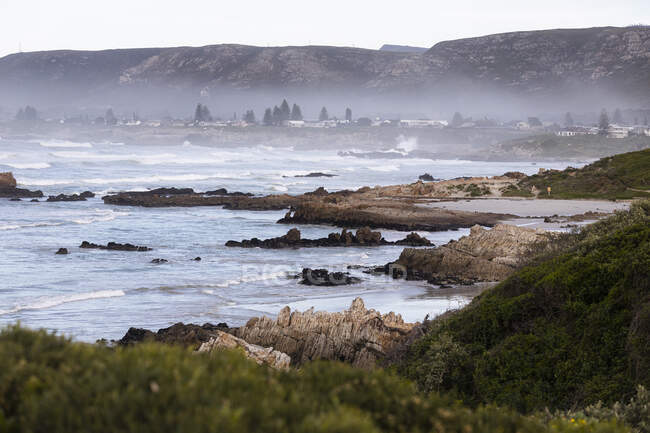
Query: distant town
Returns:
{"type": "Point", "coordinates": [287, 116]}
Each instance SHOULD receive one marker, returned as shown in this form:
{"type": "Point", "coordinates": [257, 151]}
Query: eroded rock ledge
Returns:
{"type": "Point", "coordinates": [358, 336]}
{"type": "Point", "coordinates": [362, 237]}
{"type": "Point", "coordinates": [484, 255]}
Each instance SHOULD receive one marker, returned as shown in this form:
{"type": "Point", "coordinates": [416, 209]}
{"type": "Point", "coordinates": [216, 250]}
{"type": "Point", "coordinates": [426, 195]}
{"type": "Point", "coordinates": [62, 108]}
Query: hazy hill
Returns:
{"type": "Point", "coordinates": [563, 69]}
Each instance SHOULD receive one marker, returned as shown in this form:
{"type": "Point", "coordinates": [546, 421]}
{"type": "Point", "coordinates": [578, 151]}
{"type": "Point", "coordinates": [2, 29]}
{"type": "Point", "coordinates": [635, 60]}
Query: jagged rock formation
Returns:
{"type": "Point", "coordinates": [357, 335]}
{"type": "Point", "coordinates": [114, 246]}
{"type": "Point", "coordinates": [259, 354]}
{"type": "Point", "coordinates": [185, 335]}
{"type": "Point", "coordinates": [71, 197]}
{"type": "Point", "coordinates": [363, 237]}
{"type": "Point", "coordinates": [484, 255]}
{"type": "Point", "coordinates": [8, 188]}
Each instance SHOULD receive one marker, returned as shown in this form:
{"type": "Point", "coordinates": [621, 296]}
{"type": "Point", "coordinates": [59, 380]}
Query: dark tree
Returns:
{"type": "Point", "coordinates": [277, 115]}
{"type": "Point", "coordinates": [457, 120]}
{"type": "Point", "coordinates": [568, 120]}
{"type": "Point", "coordinates": [296, 112]}
{"type": "Point", "coordinates": [348, 115]}
{"type": "Point", "coordinates": [618, 118]}
{"type": "Point", "coordinates": [110, 118]}
{"type": "Point", "coordinates": [202, 113]}
{"type": "Point", "coordinates": [249, 117]}
{"type": "Point", "coordinates": [323, 115]}
{"type": "Point", "coordinates": [603, 122]}
{"type": "Point", "coordinates": [268, 117]}
{"type": "Point", "coordinates": [285, 111]}
{"type": "Point", "coordinates": [534, 122]}
{"type": "Point", "coordinates": [645, 122]}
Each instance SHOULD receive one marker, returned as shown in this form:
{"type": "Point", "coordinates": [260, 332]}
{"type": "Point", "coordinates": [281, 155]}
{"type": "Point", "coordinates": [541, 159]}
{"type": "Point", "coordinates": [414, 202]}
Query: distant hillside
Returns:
{"type": "Point", "coordinates": [560, 68]}
{"type": "Point", "coordinates": [403, 49]}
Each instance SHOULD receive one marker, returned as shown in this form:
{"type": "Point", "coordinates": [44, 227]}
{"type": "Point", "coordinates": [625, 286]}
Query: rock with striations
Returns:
{"type": "Point", "coordinates": [484, 255]}
{"type": "Point", "coordinates": [261, 355]}
{"type": "Point", "coordinates": [358, 336]}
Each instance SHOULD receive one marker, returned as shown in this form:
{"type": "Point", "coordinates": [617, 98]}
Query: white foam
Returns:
{"type": "Point", "coordinates": [25, 226]}
{"type": "Point", "coordinates": [279, 188]}
{"type": "Point", "coordinates": [53, 301]}
{"type": "Point", "coordinates": [384, 168]}
{"type": "Point", "coordinates": [63, 143]}
{"type": "Point", "coordinates": [25, 166]}
{"type": "Point", "coordinates": [251, 278]}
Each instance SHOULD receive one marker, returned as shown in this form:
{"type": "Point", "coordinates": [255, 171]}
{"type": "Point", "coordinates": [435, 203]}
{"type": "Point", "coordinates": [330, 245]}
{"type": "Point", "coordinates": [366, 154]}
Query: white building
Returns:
{"type": "Point", "coordinates": [422, 123]}
{"type": "Point", "coordinates": [295, 123]}
{"type": "Point", "coordinates": [616, 131]}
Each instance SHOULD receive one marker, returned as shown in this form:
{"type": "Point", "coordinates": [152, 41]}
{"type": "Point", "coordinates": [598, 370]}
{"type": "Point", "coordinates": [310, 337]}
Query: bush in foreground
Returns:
{"type": "Point", "coordinates": [567, 332]}
{"type": "Point", "coordinates": [49, 384]}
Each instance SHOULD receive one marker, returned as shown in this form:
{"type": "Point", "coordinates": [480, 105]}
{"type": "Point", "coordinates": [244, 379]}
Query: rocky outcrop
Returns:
{"type": "Point", "coordinates": [7, 180]}
{"type": "Point", "coordinates": [72, 197]}
{"type": "Point", "coordinates": [361, 209]}
{"type": "Point", "coordinates": [363, 237]}
{"type": "Point", "coordinates": [316, 174]}
{"type": "Point", "coordinates": [185, 335]}
{"type": "Point", "coordinates": [113, 246]}
{"type": "Point", "coordinates": [185, 198]}
{"type": "Point", "coordinates": [62, 251]}
{"type": "Point", "coordinates": [358, 336]}
{"type": "Point", "coordinates": [324, 278]}
{"type": "Point", "coordinates": [261, 355]}
{"type": "Point", "coordinates": [8, 188]}
{"type": "Point", "coordinates": [484, 255]}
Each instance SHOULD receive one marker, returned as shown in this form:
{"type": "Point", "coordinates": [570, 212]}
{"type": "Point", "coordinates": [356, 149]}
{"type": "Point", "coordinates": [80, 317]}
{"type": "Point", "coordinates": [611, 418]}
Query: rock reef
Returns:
{"type": "Point", "coordinates": [324, 278]}
{"type": "Point", "coordinates": [8, 188]}
{"type": "Point", "coordinates": [113, 246]}
{"type": "Point", "coordinates": [358, 336]}
{"type": "Point", "coordinates": [188, 335]}
{"type": "Point", "coordinates": [363, 237]}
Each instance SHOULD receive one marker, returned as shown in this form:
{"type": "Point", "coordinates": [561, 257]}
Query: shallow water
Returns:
{"type": "Point", "coordinates": [91, 294]}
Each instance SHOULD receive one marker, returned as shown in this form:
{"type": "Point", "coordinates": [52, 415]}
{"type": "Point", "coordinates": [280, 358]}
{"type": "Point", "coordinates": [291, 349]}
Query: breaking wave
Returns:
{"type": "Point", "coordinates": [53, 301]}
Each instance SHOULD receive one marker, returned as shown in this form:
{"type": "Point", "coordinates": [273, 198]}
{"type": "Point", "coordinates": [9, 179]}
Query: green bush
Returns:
{"type": "Point", "coordinates": [567, 332]}
{"type": "Point", "coordinates": [49, 384]}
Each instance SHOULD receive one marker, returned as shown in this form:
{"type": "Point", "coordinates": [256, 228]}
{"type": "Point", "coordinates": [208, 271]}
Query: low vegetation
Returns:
{"type": "Point", "coordinates": [49, 384]}
{"type": "Point", "coordinates": [566, 332]}
{"type": "Point", "coordinates": [622, 176]}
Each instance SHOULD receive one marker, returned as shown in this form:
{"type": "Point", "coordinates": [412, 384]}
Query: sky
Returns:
{"type": "Point", "coordinates": [35, 25]}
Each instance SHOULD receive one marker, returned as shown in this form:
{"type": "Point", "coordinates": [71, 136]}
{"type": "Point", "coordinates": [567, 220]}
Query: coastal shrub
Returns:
{"type": "Point", "coordinates": [567, 332]}
{"type": "Point", "coordinates": [622, 176]}
{"type": "Point", "coordinates": [50, 384]}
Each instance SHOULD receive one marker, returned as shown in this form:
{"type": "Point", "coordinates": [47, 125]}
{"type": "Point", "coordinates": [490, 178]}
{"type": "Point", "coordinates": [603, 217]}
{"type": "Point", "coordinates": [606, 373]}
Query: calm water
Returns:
{"type": "Point", "coordinates": [99, 294]}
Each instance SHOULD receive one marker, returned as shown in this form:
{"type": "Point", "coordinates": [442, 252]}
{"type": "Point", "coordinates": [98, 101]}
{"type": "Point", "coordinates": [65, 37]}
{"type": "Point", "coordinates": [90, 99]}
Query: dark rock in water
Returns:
{"type": "Point", "coordinates": [397, 271]}
{"type": "Point", "coordinates": [186, 335]}
{"type": "Point", "coordinates": [224, 191]}
{"type": "Point", "coordinates": [113, 246]}
{"type": "Point", "coordinates": [426, 177]}
{"type": "Point", "coordinates": [15, 199]}
{"type": "Point", "coordinates": [318, 191]}
{"type": "Point", "coordinates": [197, 259]}
{"type": "Point", "coordinates": [12, 192]}
{"type": "Point", "coordinates": [62, 251]}
{"type": "Point", "coordinates": [414, 240]}
{"type": "Point", "coordinates": [321, 277]}
{"type": "Point", "coordinates": [363, 237]}
{"type": "Point", "coordinates": [316, 174]}
{"type": "Point", "coordinates": [72, 197]}
{"type": "Point", "coordinates": [34, 201]}
{"type": "Point", "coordinates": [159, 261]}
{"type": "Point", "coordinates": [170, 191]}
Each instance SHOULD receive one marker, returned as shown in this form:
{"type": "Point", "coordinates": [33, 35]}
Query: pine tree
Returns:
{"type": "Point", "coordinates": [249, 117]}
{"type": "Point", "coordinates": [268, 117]}
{"type": "Point", "coordinates": [296, 112]}
{"type": "Point", "coordinates": [568, 120]}
{"type": "Point", "coordinates": [323, 115]}
{"type": "Point", "coordinates": [457, 120]}
{"type": "Point", "coordinates": [285, 111]}
{"type": "Point", "coordinates": [603, 122]}
{"type": "Point", "coordinates": [110, 118]}
{"type": "Point", "coordinates": [348, 115]}
{"type": "Point", "coordinates": [277, 115]}
{"type": "Point", "coordinates": [198, 113]}
{"type": "Point", "coordinates": [618, 118]}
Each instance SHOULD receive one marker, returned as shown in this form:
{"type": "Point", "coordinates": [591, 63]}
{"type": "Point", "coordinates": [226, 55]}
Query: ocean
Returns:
{"type": "Point", "coordinates": [93, 294]}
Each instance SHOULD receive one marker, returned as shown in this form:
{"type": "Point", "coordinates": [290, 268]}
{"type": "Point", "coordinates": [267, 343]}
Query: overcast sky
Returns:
{"type": "Point", "coordinates": [34, 25]}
